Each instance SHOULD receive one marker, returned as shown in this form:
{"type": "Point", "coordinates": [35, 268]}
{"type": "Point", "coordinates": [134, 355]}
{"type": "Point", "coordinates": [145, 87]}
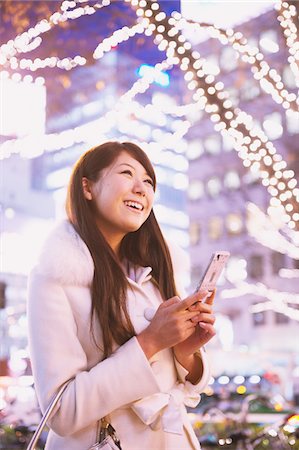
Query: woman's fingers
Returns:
{"type": "Point", "coordinates": [210, 299]}
{"type": "Point", "coordinates": [208, 318]}
{"type": "Point", "coordinates": [208, 328]}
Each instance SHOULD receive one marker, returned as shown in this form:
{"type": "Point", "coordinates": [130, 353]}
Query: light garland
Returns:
{"type": "Point", "coordinates": [262, 228]}
{"type": "Point", "coordinates": [287, 311]}
{"type": "Point", "coordinates": [278, 300]}
{"type": "Point", "coordinates": [251, 143]}
{"type": "Point", "coordinates": [22, 43]}
{"type": "Point", "coordinates": [287, 12]}
{"type": "Point", "coordinates": [68, 138]}
{"type": "Point", "coordinates": [268, 77]}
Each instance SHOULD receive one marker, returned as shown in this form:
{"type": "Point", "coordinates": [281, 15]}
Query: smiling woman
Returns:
{"type": "Point", "coordinates": [104, 312]}
{"type": "Point", "coordinates": [123, 197]}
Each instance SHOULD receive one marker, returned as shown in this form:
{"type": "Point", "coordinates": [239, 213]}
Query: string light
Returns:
{"type": "Point", "coordinates": [265, 229]}
{"type": "Point", "coordinates": [257, 154]}
{"type": "Point", "coordinates": [22, 43]}
{"type": "Point", "coordinates": [240, 125]}
{"type": "Point", "coordinates": [287, 13]}
{"type": "Point", "coordinates": [268, 78]}
{"type": "Point", "coordinates": [278, 300]}
{"type": "Point", "coordinates": [68, 138]}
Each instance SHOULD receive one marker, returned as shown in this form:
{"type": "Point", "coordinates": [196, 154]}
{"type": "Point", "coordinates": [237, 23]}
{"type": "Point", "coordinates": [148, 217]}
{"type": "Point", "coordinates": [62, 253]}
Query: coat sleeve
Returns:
{"type": "Point", "coordinates": [57, 356]}
{"type": "Point", "coordinates": [181, 267]}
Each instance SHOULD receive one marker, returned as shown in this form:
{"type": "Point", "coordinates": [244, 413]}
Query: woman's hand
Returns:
{"type": "Point", "coordinates": [204, 330]}
{"type": "Point", "coordinates": [174, 322]}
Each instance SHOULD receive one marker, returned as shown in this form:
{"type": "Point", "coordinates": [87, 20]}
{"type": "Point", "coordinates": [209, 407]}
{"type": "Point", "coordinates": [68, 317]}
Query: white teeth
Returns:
{"type": "Point", "coordinates": [134, 205]}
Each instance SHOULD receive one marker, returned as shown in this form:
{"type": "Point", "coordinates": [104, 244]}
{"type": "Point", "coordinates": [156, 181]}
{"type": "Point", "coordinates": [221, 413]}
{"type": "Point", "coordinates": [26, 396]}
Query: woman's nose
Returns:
{"type": "Point", "coordinates": [139, 187]}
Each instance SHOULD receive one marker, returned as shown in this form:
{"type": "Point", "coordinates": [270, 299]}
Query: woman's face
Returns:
{"type": "Point", "coordinates": [123, 197]}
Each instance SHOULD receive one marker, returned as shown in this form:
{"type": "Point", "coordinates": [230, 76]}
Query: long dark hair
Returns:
{"type": "Point", "coordinates": [144, 247]}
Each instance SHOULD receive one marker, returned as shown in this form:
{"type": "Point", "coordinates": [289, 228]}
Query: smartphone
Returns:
{"type": "Point", "coordinates": [213, 271]}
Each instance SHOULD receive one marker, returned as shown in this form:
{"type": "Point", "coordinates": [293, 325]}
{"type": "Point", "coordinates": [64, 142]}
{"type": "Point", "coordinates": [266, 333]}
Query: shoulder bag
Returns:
{"type": "Point", "coordinates": [107, 439]}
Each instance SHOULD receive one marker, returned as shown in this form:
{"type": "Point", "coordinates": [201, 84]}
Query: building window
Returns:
{"type": "Point", "coordinates": [228, 142]}
{"type": "Point", "coordinates": [278, 262]}
{"type": "Point", "coordinates": [234, 223]}
{"type": "Point", "coordinates": [195, 149]}
{"type": "Point", "coordinates": [281, 318]}
{"type": "Point", "coordinates": [212, 145]}
{"type": "Point", "coordinates": [195, 189]}
{"type": "Point", "coordinates": [194, 231]}
{"type": "Point", "coordinates": [268, 41]}
{"type": "Point", "coordinates": [213, 186]}
{"type": "Point", "coordinates": [259, 318]}
{"type": "Point", "coordinates": [196, 275]}
{"type": "Point", "coordinates": [215, 228]}
{"type": "Point", "coordinates": [232, 180]}
{"type": "Point", "coordinates": [292, 119]}
{"type": "Point", "coordinates": [272, 125]}
{"type": "Point", "coordinates": [255, 267]}
{"type": "Point", "coordinates": [250, 90]}
{"type": "Point", "coordinates": [289, 78]}
{"type": "Point", "coordinates": [228, 59]}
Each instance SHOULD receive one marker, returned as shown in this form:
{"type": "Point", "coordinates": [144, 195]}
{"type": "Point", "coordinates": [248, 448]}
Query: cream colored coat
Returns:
{"type": "Point", "coordinates": [145, 399]}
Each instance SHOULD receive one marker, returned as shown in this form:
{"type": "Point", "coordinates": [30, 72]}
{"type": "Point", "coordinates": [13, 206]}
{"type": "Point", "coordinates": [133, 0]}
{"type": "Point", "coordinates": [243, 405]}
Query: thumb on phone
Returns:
{"type": "Point", "coordinates": [210, 299]}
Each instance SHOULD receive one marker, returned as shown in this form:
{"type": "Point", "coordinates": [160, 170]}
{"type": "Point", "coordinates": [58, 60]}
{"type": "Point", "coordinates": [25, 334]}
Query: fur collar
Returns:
{"type": "Point", "coordinates": [65, 257]}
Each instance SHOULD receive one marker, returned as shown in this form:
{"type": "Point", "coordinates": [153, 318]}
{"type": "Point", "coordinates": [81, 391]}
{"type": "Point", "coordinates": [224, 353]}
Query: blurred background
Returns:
{"type": "Point", "coordinates": [209, 89]}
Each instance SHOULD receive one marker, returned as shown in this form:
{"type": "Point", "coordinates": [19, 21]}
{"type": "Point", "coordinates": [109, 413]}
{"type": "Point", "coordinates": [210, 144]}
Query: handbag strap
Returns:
{"type": "Point", "coordinates": [46, 416]}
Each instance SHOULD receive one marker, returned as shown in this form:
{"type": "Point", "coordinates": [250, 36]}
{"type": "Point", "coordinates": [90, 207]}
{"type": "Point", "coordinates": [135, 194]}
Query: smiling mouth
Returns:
{"type": "Point", "coordinates": [134, 205]}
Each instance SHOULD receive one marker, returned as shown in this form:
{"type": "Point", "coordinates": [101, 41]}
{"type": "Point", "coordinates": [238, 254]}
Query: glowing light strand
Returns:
{"type": "Point", "coordinates": [290, 31]}
{"type": "Point", "coordinates": [67, 138]}
{"type": "Point", "coordinates": [278, 300]}
{"type": "Point", "coordinates": [252, 144]}
{"type": "Point", "coordinates": [268, 77]}
{"type": "Point", "coordinates": [22, 43]}
{"type": "Point", "coordinates": [117, 37]}
{"type": "Point", "coordinates": [262, 228]}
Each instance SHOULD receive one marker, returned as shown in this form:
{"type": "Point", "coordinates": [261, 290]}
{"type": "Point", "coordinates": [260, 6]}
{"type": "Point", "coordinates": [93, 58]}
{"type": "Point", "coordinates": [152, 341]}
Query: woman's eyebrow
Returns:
{"type": "Point", "coordinates": [126, 164]}
{"type": "Point", "coordinates": [134, 168]}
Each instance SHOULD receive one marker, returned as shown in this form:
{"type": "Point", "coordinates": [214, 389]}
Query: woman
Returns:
{"type": "Point", "coordinates": [104, 311]}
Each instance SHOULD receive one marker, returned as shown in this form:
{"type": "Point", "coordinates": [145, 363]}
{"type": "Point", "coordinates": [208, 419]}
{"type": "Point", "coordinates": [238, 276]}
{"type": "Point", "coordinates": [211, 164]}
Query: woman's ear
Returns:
{"type": "Point", "coordinates": [86, 185]}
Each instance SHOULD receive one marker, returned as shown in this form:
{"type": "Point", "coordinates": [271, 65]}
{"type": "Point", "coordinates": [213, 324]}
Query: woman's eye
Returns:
{"type": "Point", "coordinates": [148, 180]}
{"type": "Point", "coordinates": [127, 172]}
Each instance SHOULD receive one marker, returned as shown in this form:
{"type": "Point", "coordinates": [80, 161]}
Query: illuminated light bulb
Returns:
{"type": "Point", "coordinates": [292, 183]}
{"type": "Point", "coordinates": [210, 79]}
{"type": "Point", "coordinates": [267, 160]}
{"type": "Point", "coordinates": [227, 104]}
{"type": "Point", "coordinates": [281, 186]}
{"type": "Point", "coordinates": [160, 28]}
{"type": "Point", "coordinates": [289, 207]}
{"type": "Point", "coordinates": [188, 75]}
{"type": "Point", "coordinates": [155, 6]}
{"type": "Point", "coordinates": [215, 117]}
{"type": "Point", "coordinates": [219, 86]}
{"type": "Point", "coordinates": [148, 13]}
{"type": "Point", "coordinates": [192, 85]}
{"type": "Point", "coordinates": [211, 90]}
{"type": "Point", "coordinates": [228, 115]}
{"type": "Point", "coordinates": [160, 16]}
{"type": "Point", "coordinates": [181, 50]}
{"type": "Point", "coordinates": [196, 55]}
